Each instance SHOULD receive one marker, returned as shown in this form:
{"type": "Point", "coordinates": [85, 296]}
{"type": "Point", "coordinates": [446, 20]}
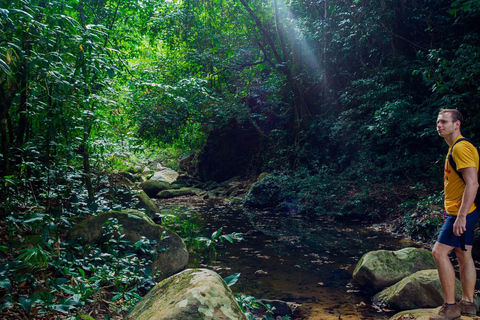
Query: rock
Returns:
{"type": "Point", "coordinates": [135, 225]}
{"type": "Point", "coordinates": [187, 164]}
{"type": "Point", "coordinates": [167, 175]}
{"type": "Point", "coordinates": [421, 314]}
{"type": "Point", "coordinates": [192, 294]}
{"type": "Point", "coordinates": [144, 202]}
{"type": "Point", "coordinates": [379, 269]}
{"type": "Point", "coordinates": [418, 314]}
{"type": "Point", "coordinates": [419, 290]}
{"type": "Point", "coordinates": [128, 175]}
{"type": "Point", "coordinates": [172, 193]}
{"type": "Point", "coordinates": [178, 185]}
{"type": "Point", "coordinates": [157, 166]}
{"type": "Point", "coordinates": [146, 171]}
{"type": "Point", "coordinates": [153, 187]}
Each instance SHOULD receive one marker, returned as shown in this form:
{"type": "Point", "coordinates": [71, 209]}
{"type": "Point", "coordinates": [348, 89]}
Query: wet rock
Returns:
{"type": "Point", "coordinates": [166, 175]}
{"type": "Point", "coordinates": [419, 290]}
{"type": "Point", "coordinates": [172, 193]}
{"type": "Point", "coordinates": [153, 187]}
{"type": "Point", "coordinates": [192, 294]}
{"type": "Point", "coordinates": [379, 269]}
{"type": "Point", "coordinates": [135, 225]}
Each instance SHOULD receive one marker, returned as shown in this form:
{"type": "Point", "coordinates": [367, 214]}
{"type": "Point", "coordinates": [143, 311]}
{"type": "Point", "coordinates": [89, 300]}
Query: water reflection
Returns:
{"type": "Point", "coordinates": [292, 258]}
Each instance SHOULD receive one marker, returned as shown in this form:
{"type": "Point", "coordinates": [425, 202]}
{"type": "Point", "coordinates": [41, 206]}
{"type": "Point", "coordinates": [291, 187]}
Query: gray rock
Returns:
{"type": "Point", "coordinates": [194, 294]}
{"type": "Point", "coordinates": [379, 269]}
{"type": "Point", "coordinates": [167, 175]}
{"type": "Point", "coordinates": [419, 290]}
{"type": "Point", "coordinates": [135, 225]}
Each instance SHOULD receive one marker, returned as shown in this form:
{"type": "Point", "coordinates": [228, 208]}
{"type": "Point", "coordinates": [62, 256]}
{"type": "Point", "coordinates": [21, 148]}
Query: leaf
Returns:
{"type": "Point", "coordinates": [232, 279]}
{"type": "Point", "coordinates": [227, 237]}
{"type": "Point", "coordinates": [26, 303]}
{"type": "Point", "coordinates": [5, 67]}
{"type": "Point", "coordinates": [216, 234]}
{"type": "Point", "coordinates": [5, 284]}
{"type": "Point", "coordinates": [63, 308]}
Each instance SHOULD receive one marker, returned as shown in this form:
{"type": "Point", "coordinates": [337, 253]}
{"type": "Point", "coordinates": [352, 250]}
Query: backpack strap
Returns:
{"type": "Point", "coordinates": [453, 165]}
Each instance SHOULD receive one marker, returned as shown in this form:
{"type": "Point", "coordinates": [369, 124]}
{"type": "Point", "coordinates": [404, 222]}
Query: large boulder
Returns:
{"type": "Point", "coordinates": [153, 187]}
{"type": "Point", "coordinates": [194, 294]}
{"type": "Point", "coordinates": [379, 269]}
{"type": "Point", "coordinates": [136, 224]}
{"type": "Point", "coordinates": [166, 175]}
{"type": "Point", "coordinates": [419, 290]}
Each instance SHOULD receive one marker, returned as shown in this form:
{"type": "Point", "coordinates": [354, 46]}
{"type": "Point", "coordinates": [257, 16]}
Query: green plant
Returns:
{"type": "Point", "coordinates": [217, 238]}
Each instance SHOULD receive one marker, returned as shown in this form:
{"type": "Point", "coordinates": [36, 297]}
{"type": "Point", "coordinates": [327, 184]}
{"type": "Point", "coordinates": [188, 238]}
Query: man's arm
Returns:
{"type": "Point", "coordinates": [470, 177]}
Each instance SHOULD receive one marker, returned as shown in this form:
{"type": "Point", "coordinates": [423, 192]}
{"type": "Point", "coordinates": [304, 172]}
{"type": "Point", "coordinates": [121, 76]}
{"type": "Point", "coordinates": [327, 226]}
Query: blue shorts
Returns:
{"type": "Point", "coordinates": [446, 233]}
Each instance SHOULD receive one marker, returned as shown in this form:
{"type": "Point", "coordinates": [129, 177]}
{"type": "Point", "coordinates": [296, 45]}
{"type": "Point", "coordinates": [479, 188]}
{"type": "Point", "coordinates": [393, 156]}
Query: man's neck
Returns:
{"type": "Point", "coordinates": [451, 139]}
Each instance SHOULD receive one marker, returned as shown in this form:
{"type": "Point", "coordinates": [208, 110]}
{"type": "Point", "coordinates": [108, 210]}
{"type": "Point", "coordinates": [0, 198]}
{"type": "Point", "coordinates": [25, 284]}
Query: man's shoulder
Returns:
{"type": "Point", "coordinates": [465, 151]}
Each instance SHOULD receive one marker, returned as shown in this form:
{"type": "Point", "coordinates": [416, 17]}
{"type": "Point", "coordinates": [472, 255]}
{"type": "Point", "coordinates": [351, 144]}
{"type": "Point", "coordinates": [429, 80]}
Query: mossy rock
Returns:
{"type": "Point", "coordinates": [153, 187]}
{"type": "Point", "coordinates": [135, 225]}
{"type": "Point", "coordinates": [127, 175]}
{"type": "Point", "coordinates": [194, 294]}
{"type": "Point", "coordinates": [377, 270]}
{"type": "Point", "coordinates": [172, 193]}
{"type": "Point", "coordinates": [145, 202]}
{"type": "Point", "coordinates": [417, 314]}
{"type": "Point", "coordinates": [178, 185]}
{"type": "Point", "coordinates": [419, 290]}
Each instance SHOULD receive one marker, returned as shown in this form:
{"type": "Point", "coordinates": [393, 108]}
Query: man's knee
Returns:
{"type": "Point", "coordinates": [440, 251]}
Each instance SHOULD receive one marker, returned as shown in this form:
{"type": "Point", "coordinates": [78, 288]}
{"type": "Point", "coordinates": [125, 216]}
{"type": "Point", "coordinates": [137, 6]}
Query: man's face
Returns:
{"type": "Point", "coordinates": [445, 124]}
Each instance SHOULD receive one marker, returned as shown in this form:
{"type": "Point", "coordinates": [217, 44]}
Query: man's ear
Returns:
{"type": "Point", "coordinates": [457, 124]}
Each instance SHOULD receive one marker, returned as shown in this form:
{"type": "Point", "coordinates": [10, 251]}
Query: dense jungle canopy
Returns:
{"type": "Point", "coordinates": [337, 98]}
{"type": "Point", "coordinates": [351, 86]}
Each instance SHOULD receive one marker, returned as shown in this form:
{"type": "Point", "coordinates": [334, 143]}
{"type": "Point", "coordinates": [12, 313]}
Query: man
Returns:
{"type": "Point", "coordinates": [460, 218]}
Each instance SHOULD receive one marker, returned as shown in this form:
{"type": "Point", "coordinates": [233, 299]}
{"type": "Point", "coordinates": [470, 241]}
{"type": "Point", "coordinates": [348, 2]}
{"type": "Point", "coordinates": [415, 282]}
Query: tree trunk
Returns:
{"type": "Point", "coordinates": [87, 126]}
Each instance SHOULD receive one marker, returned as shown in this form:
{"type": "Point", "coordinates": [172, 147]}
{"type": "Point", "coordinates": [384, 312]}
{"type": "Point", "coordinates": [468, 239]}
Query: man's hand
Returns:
{"type": "Point", "coordinates": [459, 226]}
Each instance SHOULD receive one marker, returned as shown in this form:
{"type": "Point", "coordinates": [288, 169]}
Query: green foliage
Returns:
{"type": "Point", "coordinates": [251, 305]}
{"type": "Point", "coordinates": [423, 218]}
{"type": "Point", "coordinates": [215, 239]}
{"type": "Point", "coordinates": [322, 194]}
{"type": "Point", "coordinates": [69, 277]}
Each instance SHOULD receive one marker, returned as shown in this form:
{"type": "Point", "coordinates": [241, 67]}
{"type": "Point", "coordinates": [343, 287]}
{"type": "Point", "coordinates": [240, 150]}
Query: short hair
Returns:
{"type": "Point", "coordinates": [456, 115]}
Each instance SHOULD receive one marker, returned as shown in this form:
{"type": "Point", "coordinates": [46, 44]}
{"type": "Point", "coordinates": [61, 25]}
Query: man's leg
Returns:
{"type": "Point", "coordinates": [445, 269]}
{"type": "Point", "coordinates": [468, 274]}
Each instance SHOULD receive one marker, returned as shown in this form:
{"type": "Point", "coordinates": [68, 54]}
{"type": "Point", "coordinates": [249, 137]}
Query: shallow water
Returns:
{"type": "Point", "coordinates": [291, 258]}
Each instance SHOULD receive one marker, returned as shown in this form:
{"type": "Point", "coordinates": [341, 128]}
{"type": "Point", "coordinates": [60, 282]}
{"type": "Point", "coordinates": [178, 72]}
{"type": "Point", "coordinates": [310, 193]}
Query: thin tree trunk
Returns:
{"type": "Point", "coordinates": [87, 126]}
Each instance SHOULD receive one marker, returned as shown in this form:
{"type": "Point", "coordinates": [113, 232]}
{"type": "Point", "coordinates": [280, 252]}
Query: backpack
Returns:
{"type": "Point", "coordinates": [454, 166]}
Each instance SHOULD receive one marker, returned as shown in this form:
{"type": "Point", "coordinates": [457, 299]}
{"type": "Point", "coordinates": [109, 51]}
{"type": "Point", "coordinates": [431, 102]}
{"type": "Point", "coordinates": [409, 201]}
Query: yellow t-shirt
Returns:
{"type": "Point", "coordinates": [465, 155]}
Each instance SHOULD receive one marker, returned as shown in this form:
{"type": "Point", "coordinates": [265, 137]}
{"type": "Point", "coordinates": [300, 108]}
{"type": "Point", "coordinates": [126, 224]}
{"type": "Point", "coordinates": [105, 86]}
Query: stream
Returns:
{"type": "Point", "coordinates": [291, 258]}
